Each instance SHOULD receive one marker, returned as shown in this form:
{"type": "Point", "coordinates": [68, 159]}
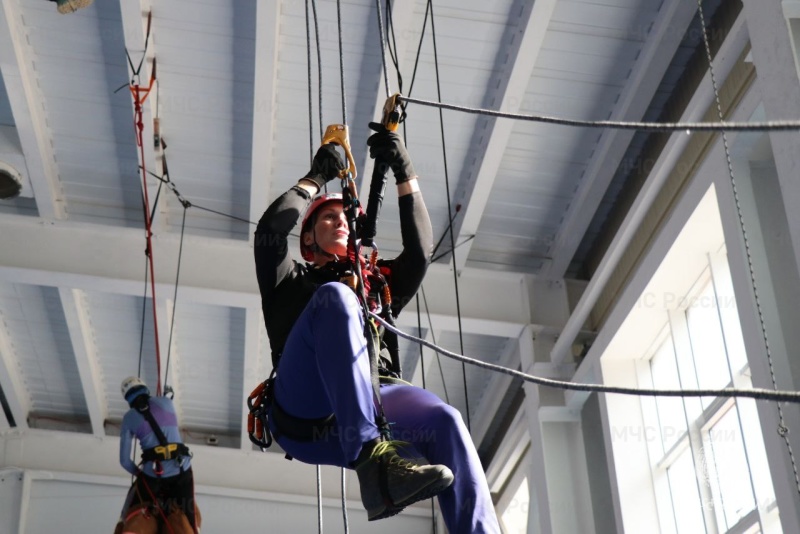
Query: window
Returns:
{"type": "Point", "coordinates": [515, 517]}
{"type": "Point", "coordinates": [709, 475]}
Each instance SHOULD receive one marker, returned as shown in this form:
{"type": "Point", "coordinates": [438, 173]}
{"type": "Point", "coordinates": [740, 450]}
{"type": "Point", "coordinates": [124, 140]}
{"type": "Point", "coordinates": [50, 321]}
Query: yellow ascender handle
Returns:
{"type": "Point", "coordinates": [392, 112]}
{"type": "Point", "coordinates": [338, 135]}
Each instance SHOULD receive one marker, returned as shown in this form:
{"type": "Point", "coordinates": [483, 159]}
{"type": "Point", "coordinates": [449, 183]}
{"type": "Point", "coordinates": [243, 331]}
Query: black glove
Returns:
{"type": "Point", "coordinates": [326, 165]}
{"type": "Point", "coordinates": [388, 150]}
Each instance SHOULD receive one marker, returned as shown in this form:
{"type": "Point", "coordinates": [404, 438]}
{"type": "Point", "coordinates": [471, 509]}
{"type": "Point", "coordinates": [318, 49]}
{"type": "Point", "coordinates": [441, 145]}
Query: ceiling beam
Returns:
{"type": "Point", "coordinates": [473, 191]}
{"type": "Point", "coordinates": [134, 27]}
{"type": "Point", "coordinates": [219, 272]}
{"type": "Point", "coordinates": [660, 47]}
{"type": "Point", "coordinates": [18, 68]}
{"type": "Point", "coordinates": [264, 85]}
{"type": "Point", "coordinates": [16, 394]}
{"type": "Point", "coordinates": [701, 102]}
{"type": "Point", "coordinates": [81, 336]}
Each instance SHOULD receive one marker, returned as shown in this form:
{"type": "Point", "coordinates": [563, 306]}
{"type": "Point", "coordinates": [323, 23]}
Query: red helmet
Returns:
{"type": "Point", "coordinates": [319, 201]}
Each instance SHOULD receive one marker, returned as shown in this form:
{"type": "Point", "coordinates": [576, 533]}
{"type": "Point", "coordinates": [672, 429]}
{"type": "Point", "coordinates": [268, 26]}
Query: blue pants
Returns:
{"type": "Point", "coordinates": [325, 369]}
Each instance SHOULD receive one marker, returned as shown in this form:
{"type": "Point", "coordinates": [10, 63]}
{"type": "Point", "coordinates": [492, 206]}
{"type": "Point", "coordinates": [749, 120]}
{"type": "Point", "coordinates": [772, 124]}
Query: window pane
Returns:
{"type": "Point", "coordinates": [728, 470]}
{"type": "Point", "coordinates": [729, 314]}
{"type": "Point", "coordinates": [708, 347]}
{"type": "Point", "coordinates": [685, 495]}
{"type": "Point", "coordinates": [671, 419]}
{"type": "Point", "coordinates": [515, 517]}
{"type": "Point", "coordinates": [756, 453]}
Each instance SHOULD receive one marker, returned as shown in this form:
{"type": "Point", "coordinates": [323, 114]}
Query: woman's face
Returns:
{"type": "Point", "coordinates": [330, 230]}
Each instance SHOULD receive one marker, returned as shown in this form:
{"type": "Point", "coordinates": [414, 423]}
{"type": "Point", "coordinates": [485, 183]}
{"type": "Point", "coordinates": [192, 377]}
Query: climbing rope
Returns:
{"type": "Point", "coordinates": [783, 430]}
{"type": "Point", "coordinates": [752, 393]}
{"type": "Point", "coordinates": [140, 95]}
{"type": "Point", "coordinates": [175, 297]}
{"type": "Point", "coordinates": [451, 215]}
{"type": "Point", "coordinates": [756, 126]}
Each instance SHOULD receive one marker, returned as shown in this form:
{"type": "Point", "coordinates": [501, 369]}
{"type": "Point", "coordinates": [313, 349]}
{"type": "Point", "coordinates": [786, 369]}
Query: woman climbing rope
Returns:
{"type": "Point", "coordinates": [323, 407]}
{"type": "Point", "coordinates": [163, 493]}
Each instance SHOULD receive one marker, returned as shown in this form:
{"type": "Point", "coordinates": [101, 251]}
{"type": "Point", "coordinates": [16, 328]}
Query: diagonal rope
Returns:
{"type": "Point", "coordinates": [783, 430]}
{"type": "Point", "coordinates": [761, 126]}
{"type": "Point", "coordinates": [751, 393]}
{"type": "Point", "coordinates": [175, 297]}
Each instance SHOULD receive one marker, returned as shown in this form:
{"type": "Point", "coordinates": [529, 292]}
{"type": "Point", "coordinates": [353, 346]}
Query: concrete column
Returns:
{"type": "Point", "coordinates": [560, 494]}
{"type": "Point", "coordinates": [767, 268]}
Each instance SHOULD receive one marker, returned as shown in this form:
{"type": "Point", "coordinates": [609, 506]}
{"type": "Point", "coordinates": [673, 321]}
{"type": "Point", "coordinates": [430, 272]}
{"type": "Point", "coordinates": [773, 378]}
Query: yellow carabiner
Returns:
{"type": "Point", "coordinates": [337, 134]}
{"type": "Point", "coordinates": [392, 112]}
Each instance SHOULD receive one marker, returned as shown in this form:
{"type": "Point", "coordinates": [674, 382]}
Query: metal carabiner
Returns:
{"type": "Point", "coordinates": [393, 112]}
{"type": "Point", "coordinates": [338, 135]}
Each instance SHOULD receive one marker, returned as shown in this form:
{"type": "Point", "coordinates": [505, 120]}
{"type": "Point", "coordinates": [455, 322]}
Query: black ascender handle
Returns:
{"type": "Point", "coordinates": [392, 114]}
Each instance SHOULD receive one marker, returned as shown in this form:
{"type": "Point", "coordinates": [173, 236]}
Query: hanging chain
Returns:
{"type": "Point", "coordinates": [783, 430]}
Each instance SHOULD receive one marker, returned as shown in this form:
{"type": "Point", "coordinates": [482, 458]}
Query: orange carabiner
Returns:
{"type": "Point", "coordinates": [338, 135]}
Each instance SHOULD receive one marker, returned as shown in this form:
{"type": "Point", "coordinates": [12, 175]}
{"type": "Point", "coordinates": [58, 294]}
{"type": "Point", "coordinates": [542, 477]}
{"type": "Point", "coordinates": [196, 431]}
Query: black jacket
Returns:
{"type": "Point", "coordinates": [287, 286]}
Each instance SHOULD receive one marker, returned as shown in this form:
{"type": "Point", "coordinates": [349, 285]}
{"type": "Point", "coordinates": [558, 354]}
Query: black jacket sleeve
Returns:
{"type": "Point", "coordinates": [408, 269]}
{"type": "Point", "coordinates": [273, 261]}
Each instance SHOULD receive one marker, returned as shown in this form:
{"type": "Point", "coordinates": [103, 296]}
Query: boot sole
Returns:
{"type": "Point", "coordinates": [427, 492]}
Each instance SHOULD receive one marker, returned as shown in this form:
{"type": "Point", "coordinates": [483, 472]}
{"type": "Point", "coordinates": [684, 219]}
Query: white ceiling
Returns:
{"type": "Point", "coordinates": [232, 100]}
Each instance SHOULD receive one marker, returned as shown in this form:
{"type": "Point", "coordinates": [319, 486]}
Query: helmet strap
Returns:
{"type": "Point", "coordinates": [318, 249]}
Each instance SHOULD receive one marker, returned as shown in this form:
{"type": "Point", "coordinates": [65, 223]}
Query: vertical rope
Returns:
{"type": "Point", "coordinates": [344, 502]}
{"type": "Point", "coordinates": [310, 100]}
{"type": "Point", "coordinates": [319, 64]}
{"type": "Point", "coordinates": [319, 499]}
{"type": "Point", "coordinates": [450, 211]}
{"type": "Point", "coordinates": [783, 430]}
{"type": "Point", "coordinates": [419, 48]}
{"type": "Point", "coordinates": [341, 60]}
{"type": "Point", "coordinates": [175, 297]}
{"type": "Point", "coordinates": [383, 46]}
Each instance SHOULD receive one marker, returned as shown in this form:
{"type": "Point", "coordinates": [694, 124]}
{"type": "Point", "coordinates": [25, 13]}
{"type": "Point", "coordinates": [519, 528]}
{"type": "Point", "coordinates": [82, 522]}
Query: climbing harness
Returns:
{"type": "Point", "coordinates": [165, 450]}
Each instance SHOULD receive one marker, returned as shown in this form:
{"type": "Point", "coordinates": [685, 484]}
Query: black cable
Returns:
{"type": "Point", "coordinates": [383, 46]}
{"type": "Point", "coordinates": [392, 45]}
{"type": "Point", "coordinates": [144, 314]}
{"type": "Point", "coordinates": [450, 211]}
{"type": "Point", "coordinates": [433, 336]}
{"type": "Point", "coordinates": [175, 297]}
{"type": "Point", "coordinates": [446, 252]}
{"type": "Point", "coordinates": [310, 100]}
{"type": "Point", "coordinates": [419, 48]}
{"type": "Point", "coordinates": [444, 234]}
{"type": "Point", "coordinates": [762, 126]}
{"type": "Point", "coordinates": [224, 214]}
{"type": "Point", "coordinates": [341, 60]}
{"type": "Point", "coordinates": [752, 393]}
{"type": "Point", "coordinates": [319, 64]}
{"type": "Point", "coordinates": [421, 352]}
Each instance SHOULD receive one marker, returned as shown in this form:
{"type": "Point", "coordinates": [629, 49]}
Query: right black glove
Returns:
{"type": "Point", "coordinates": [387, 148]}
{"type": "Point", "coordinates": [326, 165]}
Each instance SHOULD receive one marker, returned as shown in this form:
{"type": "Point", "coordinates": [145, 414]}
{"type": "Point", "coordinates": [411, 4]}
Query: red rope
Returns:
{"type": "Point", "coordinates": [136, 92]}
{"type": "Point", "coordinates": [157, 505]}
